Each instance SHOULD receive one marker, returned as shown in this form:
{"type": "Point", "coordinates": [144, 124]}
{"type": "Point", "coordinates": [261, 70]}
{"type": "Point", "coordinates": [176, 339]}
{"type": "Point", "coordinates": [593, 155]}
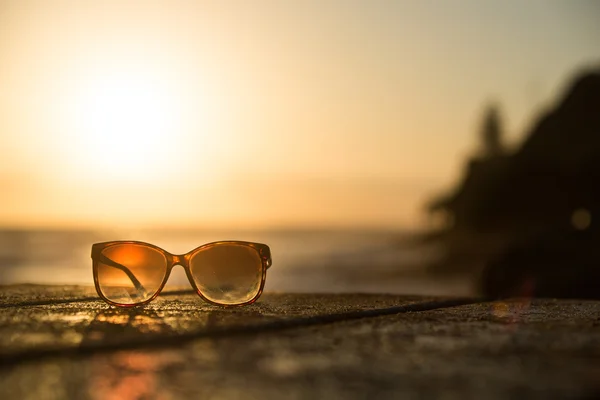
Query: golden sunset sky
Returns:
{"type": "Point", "coordinates": [257, 114]}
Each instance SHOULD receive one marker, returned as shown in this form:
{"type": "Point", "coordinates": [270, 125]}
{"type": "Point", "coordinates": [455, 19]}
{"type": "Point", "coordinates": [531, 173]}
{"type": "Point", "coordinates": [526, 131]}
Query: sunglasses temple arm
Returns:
{"type": "Point", "coordinates": [269, 262]}
{"type": "Point", "coordinates": [138, 285]}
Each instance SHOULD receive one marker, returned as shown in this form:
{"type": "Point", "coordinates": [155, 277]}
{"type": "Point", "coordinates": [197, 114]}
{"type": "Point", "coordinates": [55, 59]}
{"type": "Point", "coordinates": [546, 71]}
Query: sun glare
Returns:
{"type": "Point", "coordinates": [127, 125]}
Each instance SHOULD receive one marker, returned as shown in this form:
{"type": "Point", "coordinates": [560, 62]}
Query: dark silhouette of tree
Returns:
{"type": "Point", "coordinates": [525, 220]}
{"type": "Point", "coordinates": [492, 132]}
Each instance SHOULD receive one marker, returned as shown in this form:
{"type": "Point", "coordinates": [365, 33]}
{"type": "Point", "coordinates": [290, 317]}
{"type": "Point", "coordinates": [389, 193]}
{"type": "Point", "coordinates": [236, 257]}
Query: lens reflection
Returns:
{"type": "Point", "coordinates": [227, 273]}
{"type": "Point", "coordinates": [130, 273]}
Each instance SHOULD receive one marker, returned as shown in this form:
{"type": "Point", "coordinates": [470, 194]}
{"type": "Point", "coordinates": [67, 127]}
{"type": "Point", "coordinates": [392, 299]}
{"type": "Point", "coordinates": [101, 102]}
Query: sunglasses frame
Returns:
{"type": "Point", "coordinates": [172, 260]}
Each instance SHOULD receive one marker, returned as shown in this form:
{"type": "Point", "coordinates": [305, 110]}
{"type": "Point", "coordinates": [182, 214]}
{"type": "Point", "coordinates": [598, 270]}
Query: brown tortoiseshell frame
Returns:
{"type": "Point", "coordinates": [172, 260]}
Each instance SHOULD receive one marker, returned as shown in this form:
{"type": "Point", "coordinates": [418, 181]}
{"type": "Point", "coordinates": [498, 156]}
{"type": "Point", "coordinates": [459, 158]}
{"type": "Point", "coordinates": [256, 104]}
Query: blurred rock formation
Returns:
{"type": "Point", "coordinates": [537, 204]}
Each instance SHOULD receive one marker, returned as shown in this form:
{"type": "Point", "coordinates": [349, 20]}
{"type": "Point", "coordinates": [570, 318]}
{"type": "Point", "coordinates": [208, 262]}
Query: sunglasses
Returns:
{"type": "Point", "coordinates": [227, 273]}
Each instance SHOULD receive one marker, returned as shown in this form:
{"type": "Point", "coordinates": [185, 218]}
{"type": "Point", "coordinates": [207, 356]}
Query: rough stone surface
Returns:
{"type": "Point", "coordinates": [295, 347]}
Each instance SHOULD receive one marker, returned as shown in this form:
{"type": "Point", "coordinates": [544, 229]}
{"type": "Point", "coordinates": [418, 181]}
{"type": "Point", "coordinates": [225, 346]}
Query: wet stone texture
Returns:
{"type": "Point", "coordinates": [58, 343]}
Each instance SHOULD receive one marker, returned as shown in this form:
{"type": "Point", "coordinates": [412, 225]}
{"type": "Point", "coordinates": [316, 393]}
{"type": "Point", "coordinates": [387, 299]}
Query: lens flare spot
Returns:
{"type": "Point", "coordinates": [581, 219]}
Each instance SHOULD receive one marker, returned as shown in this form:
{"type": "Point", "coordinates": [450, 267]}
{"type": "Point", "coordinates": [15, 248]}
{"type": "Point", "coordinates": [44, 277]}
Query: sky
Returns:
{"type": "Point", "coordinates": [266, 114]}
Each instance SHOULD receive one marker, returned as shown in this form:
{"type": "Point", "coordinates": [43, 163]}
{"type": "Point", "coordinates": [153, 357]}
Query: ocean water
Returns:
{"type": "Point", "coordinates": [303, 260]}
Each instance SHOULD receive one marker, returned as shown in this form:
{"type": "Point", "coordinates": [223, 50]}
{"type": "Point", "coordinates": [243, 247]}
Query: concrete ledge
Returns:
{"type": "Point", "coordinates": [295, 346]}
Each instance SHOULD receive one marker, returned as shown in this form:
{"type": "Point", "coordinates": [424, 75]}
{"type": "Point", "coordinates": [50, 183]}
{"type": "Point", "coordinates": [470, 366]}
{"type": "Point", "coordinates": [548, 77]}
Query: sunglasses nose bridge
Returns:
{"type": "Point", "coordinates": [179, 260]}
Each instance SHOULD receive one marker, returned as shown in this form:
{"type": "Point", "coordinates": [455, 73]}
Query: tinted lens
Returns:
{"type": "Point", "coordinates": [227, 273]}
{"type": "Point", "coordinates": [130, 273]}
